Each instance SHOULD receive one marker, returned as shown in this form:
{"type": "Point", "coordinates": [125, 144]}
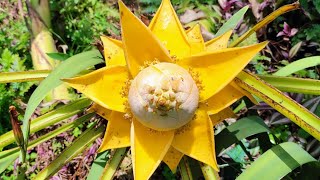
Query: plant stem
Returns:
{"type": "Point", "coordinates": [22, 167]}
{"type": "Point", "coordinates": [208, 172]}
{"type": "Point", "coordinates": [113, 164]}
{"type": "Point", "coordinates": [43, 43]}
{"type": "Point", "coordinates": [184, 169]}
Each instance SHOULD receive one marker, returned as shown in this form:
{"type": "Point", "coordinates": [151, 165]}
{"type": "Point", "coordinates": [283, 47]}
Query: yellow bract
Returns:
{"type": "Point", "coordinates": [104, 86]}
{"type": "Point", "coordinates": [166, 21]}
{"type": "Point", "coordinates": [212, 65]}
{"type": "Point", "coordinates": [148, 48]}
{"type": "Point", "coordinates": [218, 68]}
{"type": "Point", "coordinates": [117, 132]}
{"type": "Point", "coordinates": [113, 54]}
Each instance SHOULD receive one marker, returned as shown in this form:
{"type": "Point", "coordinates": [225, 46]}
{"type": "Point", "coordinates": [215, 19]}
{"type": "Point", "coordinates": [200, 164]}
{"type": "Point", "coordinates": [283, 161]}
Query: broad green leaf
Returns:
{"type": "Point", "coordinates": [79, 145]}
{"type": "Point", "coordinates": [49, 118]}
{"type": "Point", "coordinates": [298, 65]}
{"type": "Point", "coordinates": [113, 164]}
{"type": "Point", "coordinates": [277, 162]}
{"type": "Point", "coordinates": [239, 130]}
{"type": "Point", "coordinates": [12, 154]}
{"type": "Point", "coordinates": [66, 69]}
{"type": "Point", "coordinates": [232, 22]}
{"type": "Point", "coordinates": [290, 84]}
{"type": "Point", "coordinates": [8, 77]}
{"type": "Point", "coordinates": [282, 103]}
{"type": "Point", "coordinates": [98, 165]}
{"type": "Point", "coordinates": [265, 21]}
{"type": "Point", "coordinates": [7, 161]}
{"type": "Point", "coordinates": [58, 56]}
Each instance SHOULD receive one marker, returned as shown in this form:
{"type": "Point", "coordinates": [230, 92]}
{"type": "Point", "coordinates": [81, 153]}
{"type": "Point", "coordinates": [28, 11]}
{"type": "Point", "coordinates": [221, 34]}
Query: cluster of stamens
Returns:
{"type": "Point", "coordinates": [161, 100]}
{"type": "Point", "coordinates": [196, 77]}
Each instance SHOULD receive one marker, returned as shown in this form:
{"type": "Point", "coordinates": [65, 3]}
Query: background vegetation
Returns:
{"type": "Point", "coordinates": [77, 26]}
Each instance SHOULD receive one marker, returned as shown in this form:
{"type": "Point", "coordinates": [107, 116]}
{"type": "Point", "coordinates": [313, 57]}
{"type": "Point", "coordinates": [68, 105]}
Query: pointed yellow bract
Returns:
{"type": "Point", "coordinates": [148, 48]}
{"type": "Point", "coordinates": [222, 115]}
{"type": "Point", "coordinates": [172, 158]}
{"type": "Point", "coordinates": [217, 69]}
{"type": "Point", "coordinates": [148, 147]}
{"type": "Point", "coordinates": [166, 21]}
{"type": "Point", "coordinates": [103, 112]}
{"type": "Point", "coordinates": [196, 139]}
{"type": "Point", "coordinates": [224, 98]}
{"type": "Point", "coordinates": [113, 51]}
{"type": "Point", "coordinates": [195, 39]}
{"type": "Point", "coordinates": [244, 92]}
{"type": "Point", "coordinates": [220, 42]}
{"type": "Point", "coordinates": [104, 86]}
{"type": "Point", "coordinates": [118, 132]}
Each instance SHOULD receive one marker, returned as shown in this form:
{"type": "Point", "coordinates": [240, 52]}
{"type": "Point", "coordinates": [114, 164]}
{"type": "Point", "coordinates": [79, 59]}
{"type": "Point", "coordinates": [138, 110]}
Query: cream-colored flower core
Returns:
{"type": "Point", "coordinates": [163, 97]}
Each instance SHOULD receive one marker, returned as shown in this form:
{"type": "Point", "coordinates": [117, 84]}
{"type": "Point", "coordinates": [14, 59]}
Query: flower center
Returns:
{"type": "Point", "coordinates": [163, 97]}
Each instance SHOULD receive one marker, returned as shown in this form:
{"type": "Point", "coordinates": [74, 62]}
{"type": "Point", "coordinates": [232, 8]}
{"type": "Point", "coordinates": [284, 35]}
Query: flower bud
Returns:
{"type": "Point", "coordinates": [16, 126]}
{"type": "Point", "coordinates": [163, 97]}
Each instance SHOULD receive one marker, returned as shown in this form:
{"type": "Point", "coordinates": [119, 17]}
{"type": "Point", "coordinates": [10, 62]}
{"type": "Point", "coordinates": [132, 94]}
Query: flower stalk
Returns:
{"type": "Point", "coordinates": [19, 140]}
{"type": "Point", "coordinates": [285, 105]}
{"type": "Point", "coordinates": [43, 43]}
{"type": "Point", "coordinates": [184, 169]}
{"type": "Point", "coordinates": [114, 163]}
{"type": "Point", "coordinates": [265, 21]}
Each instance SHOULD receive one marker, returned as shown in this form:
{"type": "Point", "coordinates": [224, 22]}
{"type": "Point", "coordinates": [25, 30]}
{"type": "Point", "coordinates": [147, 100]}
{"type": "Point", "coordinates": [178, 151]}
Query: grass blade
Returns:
{"type": "Point", "coordinates": [113, 164]}
{"type": "Point", "coordinates": [291, 84]}
{"type": "Point", "coordinates": [285, 105]}
{"type": "Point", "coordinates": [184, 169]}
{"type": "Point", "coordinates": [233, 21]}
{"type": "Point", "coordinates": [98, 165]}
{"type": "Point", "coordinates": [277, 162]}
{"type": "Point", "coordinates": [298, 65]}
{"type": "Point", "coordinates": [79, 145]}
{"type": "Point", "coordinates": [8, 77]}
{"type": "Point", "coordinates": [7, 161]}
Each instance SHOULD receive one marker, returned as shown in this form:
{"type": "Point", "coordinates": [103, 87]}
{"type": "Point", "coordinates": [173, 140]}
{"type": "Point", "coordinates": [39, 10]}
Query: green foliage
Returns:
{"type": "Point", "coordinates": [310, 33]}
{"type": "Point", "coordinates": [286, 156]}
{"type": "Point", "coordinates": [14, 56]}
{"type": "Point", "coordinates": [80, 23]}
{"type": "Point", "coordinates": [7, 174]}
{"type": "Point", "coordinates": [313, 32]}
{"type": "Point", "coordinates": [77, 131]}
{"type": "Point", "coordinates": [151, 6]}
{"type": "Point", "coordinates": [10, 62]}
{"type": "Point", "coordinates": [14, 34]}
{"type": "Point", "coordinates": [312, 7]}
{"type": "Point", "coordinates": [300, 67]}
{"type": "Point", "coordinates": [98, 165]}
